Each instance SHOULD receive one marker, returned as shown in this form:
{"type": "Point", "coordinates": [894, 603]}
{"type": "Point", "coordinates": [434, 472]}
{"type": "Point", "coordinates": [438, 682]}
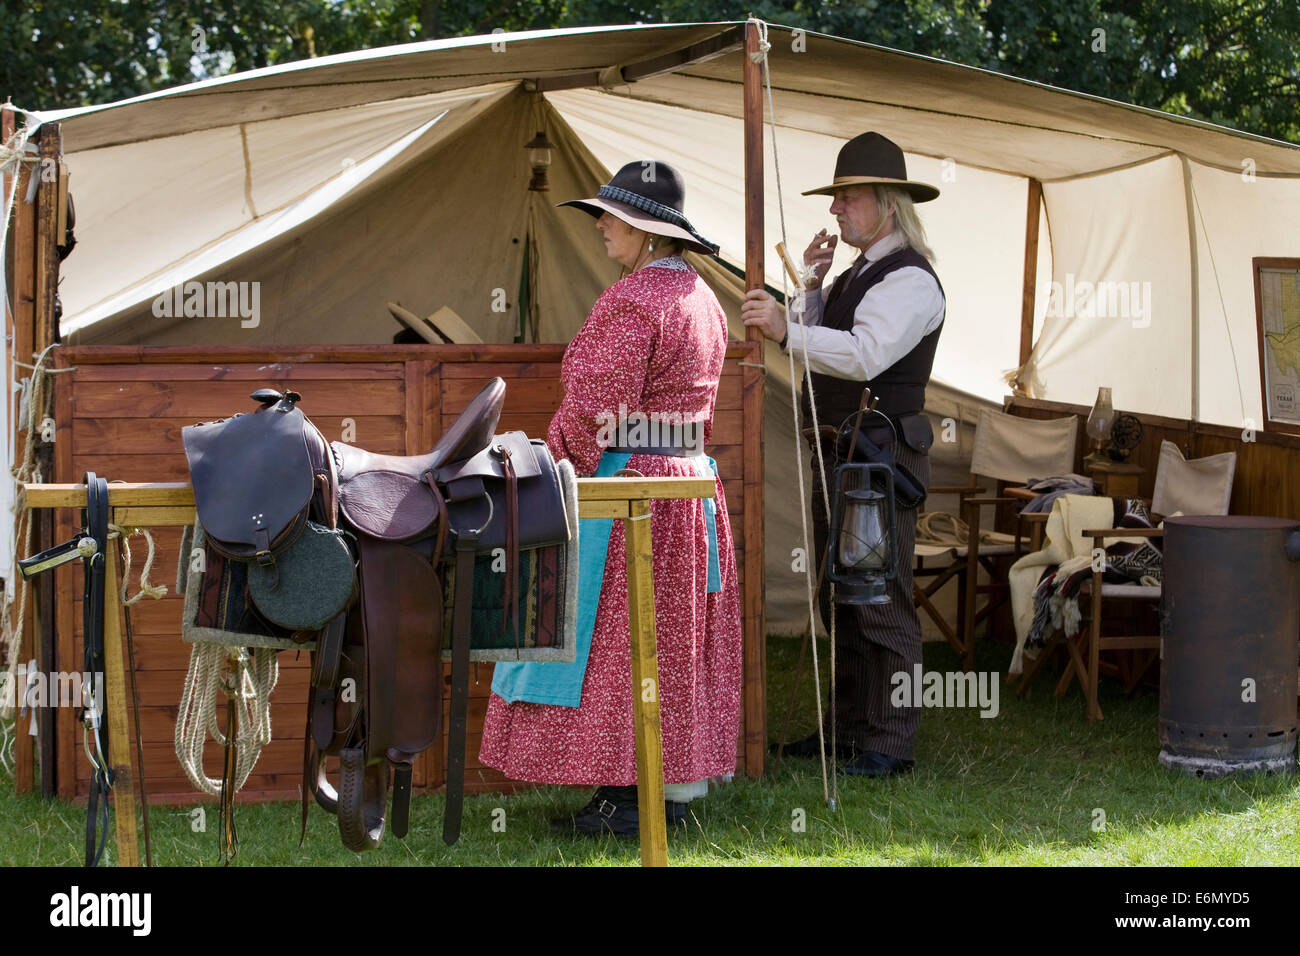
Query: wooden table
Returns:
{"type": "Point", "coordinates": [1115, 479]}
{"type": "Point", "coordinates": [171, 504]}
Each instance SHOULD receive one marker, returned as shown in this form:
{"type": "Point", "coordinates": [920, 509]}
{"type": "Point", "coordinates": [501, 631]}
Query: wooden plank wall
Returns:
{"type": "Point", "coordinates": [1267, 480]}
{"type": "Point", "coordinates": [120, 414]}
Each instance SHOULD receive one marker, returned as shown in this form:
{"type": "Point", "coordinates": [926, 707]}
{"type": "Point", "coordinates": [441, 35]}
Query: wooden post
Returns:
{"type": "Point", "coordinates": [18, 333]}
{"type": "Point", "coordinates": [1029, 291]}
{"type": "Point", "coordinates": [754, 612]}
{"type": "Point", "coordinates": [753, 112]}
{"type": "Point", "coordinates": [50, 206]}
{"type": "Point", "coordinates": [645, 685]}
{"type": "Point", "coordinates": [119, 732]}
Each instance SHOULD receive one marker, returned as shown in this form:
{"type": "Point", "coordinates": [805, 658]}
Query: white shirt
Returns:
{"type": "Point", "coordinates": [889, 321]}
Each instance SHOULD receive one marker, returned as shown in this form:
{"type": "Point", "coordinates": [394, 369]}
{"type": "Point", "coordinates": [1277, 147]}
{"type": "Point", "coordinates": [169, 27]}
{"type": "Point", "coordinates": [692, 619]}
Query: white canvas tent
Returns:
{"type": "Point", "coordinates": [343, 182]}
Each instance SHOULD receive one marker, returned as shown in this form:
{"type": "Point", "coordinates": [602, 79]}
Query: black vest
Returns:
{"type": "Point", "coordinates": [901, 387]}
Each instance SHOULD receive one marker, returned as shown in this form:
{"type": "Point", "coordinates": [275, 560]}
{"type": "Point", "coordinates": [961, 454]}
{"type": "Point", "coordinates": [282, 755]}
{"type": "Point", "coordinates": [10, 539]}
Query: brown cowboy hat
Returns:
{"type": "Point", "coordinates": [650, 196]}
{"type": "Point", "coordinates": [870, 158]}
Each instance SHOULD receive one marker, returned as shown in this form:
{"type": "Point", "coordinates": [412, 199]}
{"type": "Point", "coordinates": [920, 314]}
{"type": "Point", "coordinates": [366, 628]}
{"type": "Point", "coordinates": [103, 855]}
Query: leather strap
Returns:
{"type": "Point", "coordinates": [512, 542]}
{"type": "Point", "coordinates": [466, 549]}
{"type": "Point", "coordinates": [325, 679]}
{"type": "Point", "coordinates": [96, 525]}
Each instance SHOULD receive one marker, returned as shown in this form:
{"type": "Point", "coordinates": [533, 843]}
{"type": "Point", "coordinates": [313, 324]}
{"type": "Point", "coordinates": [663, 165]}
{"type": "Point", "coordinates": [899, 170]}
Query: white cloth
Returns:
{"type": "Point", "coordinates": [889, 321]}
{"type": "Point", "coordinates": [1065, 545]}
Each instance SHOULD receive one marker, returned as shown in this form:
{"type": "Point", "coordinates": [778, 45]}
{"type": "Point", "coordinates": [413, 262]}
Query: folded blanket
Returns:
{"type": "Point", "coordinates": [1050, 489]}
{"type": "Point", "coordinates": [1056, 599]}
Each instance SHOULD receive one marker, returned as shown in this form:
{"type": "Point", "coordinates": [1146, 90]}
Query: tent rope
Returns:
{"type": "Point", "coordinates": [829, 792]}
{"type": "Point", "coordinates": [34, 408]}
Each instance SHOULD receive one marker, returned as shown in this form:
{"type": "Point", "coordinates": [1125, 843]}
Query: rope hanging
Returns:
{"type": "Point", "coordinates": [247, 682]}
{"type": "Point", "coordinates": [155, 591]}
{"type": "Point", "coordinates": [33, 412]}
{"type": "Point", "coordinates": [829, 792]}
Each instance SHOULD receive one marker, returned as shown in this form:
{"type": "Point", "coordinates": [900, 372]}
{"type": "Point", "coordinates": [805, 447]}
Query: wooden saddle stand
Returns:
{"type": "Point", "coordinates": [348, 549]}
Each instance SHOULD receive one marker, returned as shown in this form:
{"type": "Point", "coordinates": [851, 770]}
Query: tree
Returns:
{"type": "Point", "coordinates": [1234, 62]}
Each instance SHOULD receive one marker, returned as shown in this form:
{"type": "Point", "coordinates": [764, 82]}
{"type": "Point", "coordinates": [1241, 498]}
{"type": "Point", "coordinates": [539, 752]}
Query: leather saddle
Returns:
{"type": "Point", "coordinates": [262, 481]}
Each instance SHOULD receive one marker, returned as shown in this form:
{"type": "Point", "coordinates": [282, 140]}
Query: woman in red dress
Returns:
{"type": "Point", "coordinates": [650, 353]}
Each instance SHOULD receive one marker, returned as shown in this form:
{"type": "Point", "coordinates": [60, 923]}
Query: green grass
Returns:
{"type": "Point", "coordinates": [1019, 789]}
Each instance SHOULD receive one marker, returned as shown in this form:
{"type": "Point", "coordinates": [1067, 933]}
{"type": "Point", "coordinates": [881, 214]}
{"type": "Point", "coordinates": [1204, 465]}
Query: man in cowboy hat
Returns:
{"type": "Point", "coordinates": [876, 327]}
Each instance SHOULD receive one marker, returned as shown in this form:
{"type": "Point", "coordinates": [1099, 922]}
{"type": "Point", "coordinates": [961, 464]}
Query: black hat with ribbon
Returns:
{"type": "Point", "coordinates": [869, 159]}
{"type": "Point", "coordinates": [650, 196]}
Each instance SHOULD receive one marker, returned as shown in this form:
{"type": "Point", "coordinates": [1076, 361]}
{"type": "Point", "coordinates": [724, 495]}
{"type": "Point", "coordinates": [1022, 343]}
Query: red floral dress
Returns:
{"type": "Point", "coordinates": [654, 342]}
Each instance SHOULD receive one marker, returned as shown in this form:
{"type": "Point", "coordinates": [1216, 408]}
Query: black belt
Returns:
{"type": "Point", "coordinates": [96, 520]}
{"type": "Point", "coordinates": [672, 451]}
{"type": "Point", "coordinates": [92, 547]}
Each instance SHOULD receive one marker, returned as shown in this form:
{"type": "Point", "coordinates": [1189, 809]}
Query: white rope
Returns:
{"type": "Point", "coordinates": [216, 668]}
{"type": "Point", "coordinates": [155, 591]}
{"type": "Point", "coordinates": [24, 471]}
{"type": "Point", "coordinates": [829, 792]}
{"type": "Point", "coordinates": [7, 739]}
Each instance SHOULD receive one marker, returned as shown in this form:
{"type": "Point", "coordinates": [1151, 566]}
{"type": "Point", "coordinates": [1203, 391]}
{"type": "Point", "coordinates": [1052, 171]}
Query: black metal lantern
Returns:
{"type": "Point", "coordinates": [861, 549]}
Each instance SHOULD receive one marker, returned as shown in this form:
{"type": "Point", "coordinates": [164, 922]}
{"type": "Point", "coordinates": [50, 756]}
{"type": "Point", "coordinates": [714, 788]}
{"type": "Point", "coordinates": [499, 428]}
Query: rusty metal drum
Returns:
{"type": "Point", "coordinates": [1229, 636]}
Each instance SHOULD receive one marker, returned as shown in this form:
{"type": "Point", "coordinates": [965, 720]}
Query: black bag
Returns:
{"type": "Point", "coordinates": [875, 443]}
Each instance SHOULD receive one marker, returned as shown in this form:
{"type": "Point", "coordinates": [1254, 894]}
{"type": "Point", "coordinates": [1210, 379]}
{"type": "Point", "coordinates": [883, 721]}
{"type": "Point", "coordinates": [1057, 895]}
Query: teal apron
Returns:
{"type": "Point", "coordinates": [548, 682]}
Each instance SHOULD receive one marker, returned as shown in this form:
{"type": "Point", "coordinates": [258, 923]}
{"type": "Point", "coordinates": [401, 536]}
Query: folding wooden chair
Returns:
{"type": "Point", "coordinates": [1009, 450]}
{"type": "Point", "coordinates": [1202, 486]}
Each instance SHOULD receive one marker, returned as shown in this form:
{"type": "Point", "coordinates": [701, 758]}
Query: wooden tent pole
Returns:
{"type": "Point", "coordinates": [1029, 292]}
{"type": "Point", "coordinates": [753, 86]}
{"type": "Point", "coordinates": [754, 610]}
{"type": "Point", "coordinates": [19, 326]}
{"type": "Point", "coordinates": [51, 200]}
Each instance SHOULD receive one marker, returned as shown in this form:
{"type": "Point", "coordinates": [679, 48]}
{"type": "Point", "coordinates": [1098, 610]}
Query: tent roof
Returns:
{"type": "Point", "coordinates": [935, 108]}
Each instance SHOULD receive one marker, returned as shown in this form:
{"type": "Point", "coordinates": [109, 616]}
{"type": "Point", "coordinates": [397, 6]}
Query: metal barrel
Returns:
{"type": "Point", "coordinates": [1229, 631]}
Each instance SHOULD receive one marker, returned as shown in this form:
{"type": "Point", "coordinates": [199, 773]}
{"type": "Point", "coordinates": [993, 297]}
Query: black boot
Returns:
{"type": "Point", "coordinates": [614, 810]}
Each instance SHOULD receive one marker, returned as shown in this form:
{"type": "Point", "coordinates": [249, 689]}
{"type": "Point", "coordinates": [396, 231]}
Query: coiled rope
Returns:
{"type": "Point", "coordinates": [246, 679]}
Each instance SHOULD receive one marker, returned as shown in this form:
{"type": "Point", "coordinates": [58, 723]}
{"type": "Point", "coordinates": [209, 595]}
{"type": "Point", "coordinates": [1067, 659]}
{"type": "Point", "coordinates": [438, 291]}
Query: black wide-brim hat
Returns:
{"type": "Point", "coordinates": [869, 159]}
{"type": "Point", "coordinates": [650, 196]}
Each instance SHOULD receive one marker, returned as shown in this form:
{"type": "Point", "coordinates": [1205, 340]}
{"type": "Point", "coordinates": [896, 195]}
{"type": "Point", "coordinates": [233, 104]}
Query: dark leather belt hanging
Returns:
{"type": "Point", "coordinates": [91, 547]}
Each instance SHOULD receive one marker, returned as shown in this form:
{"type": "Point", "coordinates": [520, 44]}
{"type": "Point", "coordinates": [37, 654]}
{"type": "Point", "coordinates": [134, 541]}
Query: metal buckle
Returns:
{"type": "Point", "coordinates": [264, 558]}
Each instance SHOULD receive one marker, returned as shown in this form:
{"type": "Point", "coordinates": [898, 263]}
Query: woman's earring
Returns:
{"type": "Point", "coordinates": [651, 246]}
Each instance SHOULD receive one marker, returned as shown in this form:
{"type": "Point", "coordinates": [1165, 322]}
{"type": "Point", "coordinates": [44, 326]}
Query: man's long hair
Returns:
{"type": "Point", "coordinates": [906, 221]}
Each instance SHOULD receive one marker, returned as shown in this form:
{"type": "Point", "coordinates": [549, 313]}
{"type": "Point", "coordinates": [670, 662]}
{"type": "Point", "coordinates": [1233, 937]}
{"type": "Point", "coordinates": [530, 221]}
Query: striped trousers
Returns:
{"type": "Point", "coordinates": [874, 643]}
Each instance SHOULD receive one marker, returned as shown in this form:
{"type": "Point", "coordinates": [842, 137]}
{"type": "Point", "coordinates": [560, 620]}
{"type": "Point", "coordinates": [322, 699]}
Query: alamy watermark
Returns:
{"type": "Point", "coordinates": [36, 688]}
{"type": "Point", "coordinates": [951, 689]}
{"type": "Point", "coordinates": [77, 909]}
{"type": "Point", "coordinates": [1083, 299]}
{"type": "Point", "coordinates": [212, 300]}
{"type": "Point", "coordinates": [628, 429]}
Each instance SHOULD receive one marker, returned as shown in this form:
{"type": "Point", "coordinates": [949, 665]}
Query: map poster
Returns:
{"type": "Point", "coordinates": [1277, 310]}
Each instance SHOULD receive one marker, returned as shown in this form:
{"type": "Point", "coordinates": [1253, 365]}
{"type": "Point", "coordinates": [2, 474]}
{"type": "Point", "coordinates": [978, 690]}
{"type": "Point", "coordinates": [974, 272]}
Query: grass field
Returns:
{"type": "Point", "coordinates": [1028, 787]}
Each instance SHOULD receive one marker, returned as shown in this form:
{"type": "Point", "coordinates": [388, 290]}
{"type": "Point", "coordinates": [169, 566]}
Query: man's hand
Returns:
{"type": "Point", "coordinates": [819, 253]}
{"type": "Point", "coordinates": [760, 310]}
